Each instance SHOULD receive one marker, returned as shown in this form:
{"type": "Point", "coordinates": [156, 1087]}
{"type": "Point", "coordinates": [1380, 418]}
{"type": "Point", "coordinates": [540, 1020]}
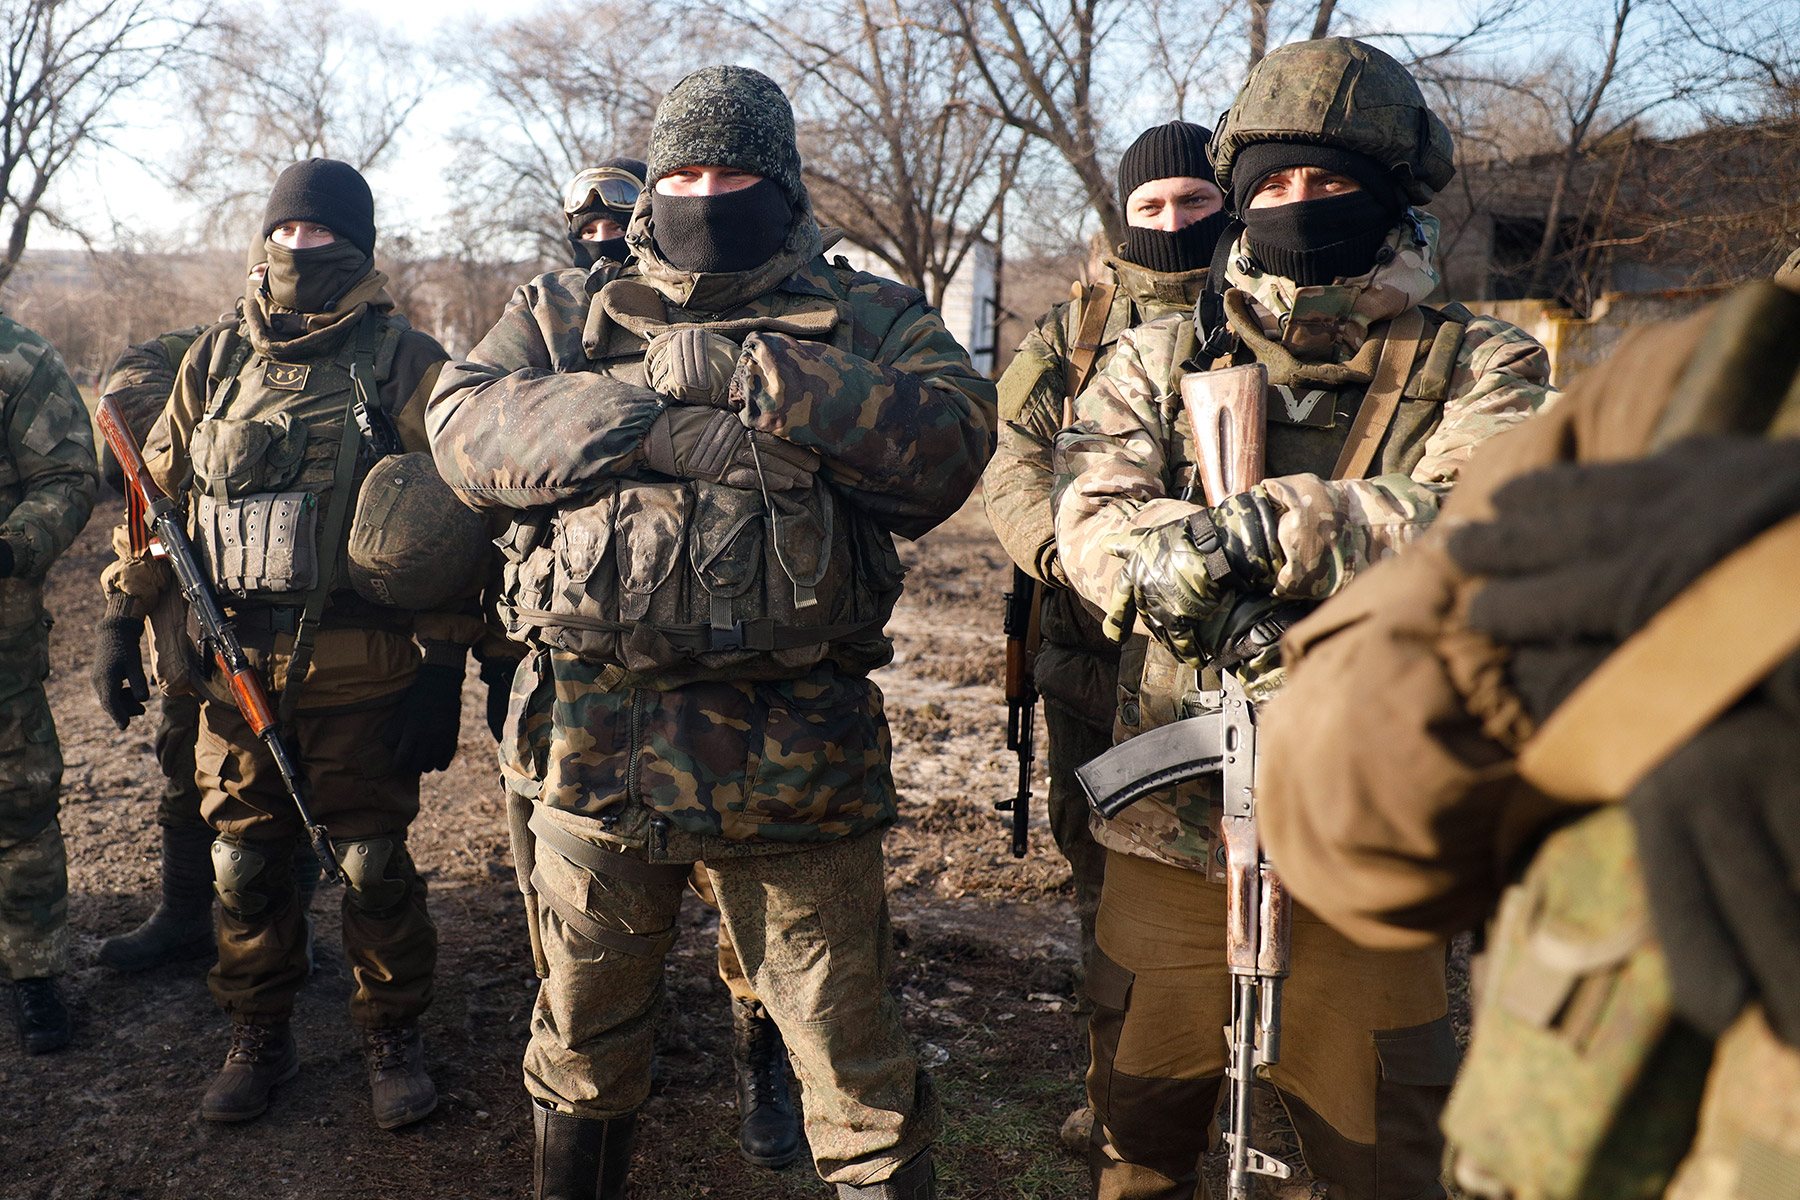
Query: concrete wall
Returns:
{"type": "Point", "coordinates": [1576, 344]}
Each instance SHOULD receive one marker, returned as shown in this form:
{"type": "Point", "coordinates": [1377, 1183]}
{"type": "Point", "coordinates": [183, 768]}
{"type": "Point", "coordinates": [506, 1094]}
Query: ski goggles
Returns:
{"type": "Point", "coordinates": [615, 187]}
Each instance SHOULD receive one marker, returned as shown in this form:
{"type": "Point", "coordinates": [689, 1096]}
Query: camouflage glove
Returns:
{"type": "Point", "coordinates": [118, 671]}
{"type": "Point", "coordinates": [422, 732]}
{"type": "Point", "coordinates": [1579, 556]}
{"type": "Point", "coordinates": [1175, 577]}
{"type": "Point", "coordinates": [498, 674]}
{"type": "Point", "coordinates": [692, 366]}
{"type": "Point", "coordinates": [1718, 832]}
{"type": "Point", "coordinates": [705, 443]}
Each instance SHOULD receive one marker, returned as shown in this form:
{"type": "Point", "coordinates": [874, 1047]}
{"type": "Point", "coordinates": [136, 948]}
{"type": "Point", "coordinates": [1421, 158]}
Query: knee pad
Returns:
{"type": "Point", "coordinates": [380, 872]}
{"type": "Point", "coordinates": [244, 879]}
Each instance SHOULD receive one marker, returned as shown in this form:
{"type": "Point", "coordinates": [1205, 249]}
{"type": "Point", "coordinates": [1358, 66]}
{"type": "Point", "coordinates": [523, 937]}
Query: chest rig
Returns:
{"type": "Point", "coordinates": [657, 574]}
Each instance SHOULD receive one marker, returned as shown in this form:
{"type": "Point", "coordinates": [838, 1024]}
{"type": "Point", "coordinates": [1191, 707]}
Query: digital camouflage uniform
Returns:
{"type": "Point", "coordinates": [365, 657]}
{"type": "Point", "coordinates": [1077, 664]}
{"type": "Point", "coordinates": [47, 486]}
{"type": "Point", "coordinates": [769, 765]}
{"type": "Point", "coordinates": [1368, 1054]}
{"type": "Point", "coordinates": [1394, 807]}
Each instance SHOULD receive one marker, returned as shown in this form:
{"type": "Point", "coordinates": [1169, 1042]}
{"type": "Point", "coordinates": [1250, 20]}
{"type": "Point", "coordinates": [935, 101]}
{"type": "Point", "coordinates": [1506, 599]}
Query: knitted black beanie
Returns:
{"type": "Point", "coordinates": [1165, 152]}
{"type": "Point", "coordinates": [325, 192]}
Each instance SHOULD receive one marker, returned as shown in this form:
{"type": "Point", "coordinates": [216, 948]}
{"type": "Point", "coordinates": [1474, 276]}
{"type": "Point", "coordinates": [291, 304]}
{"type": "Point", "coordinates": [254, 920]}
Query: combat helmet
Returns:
{"type": "Point", "coordinates": [413, 544]}
{"type": "Point", "coordinates": [1339, 92]}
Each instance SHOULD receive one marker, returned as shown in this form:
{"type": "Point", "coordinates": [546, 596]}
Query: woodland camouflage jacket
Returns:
{"type": "Point", "coordinates": [1127, 465]}
{"type": "Point", "coordinates": [551, 411]}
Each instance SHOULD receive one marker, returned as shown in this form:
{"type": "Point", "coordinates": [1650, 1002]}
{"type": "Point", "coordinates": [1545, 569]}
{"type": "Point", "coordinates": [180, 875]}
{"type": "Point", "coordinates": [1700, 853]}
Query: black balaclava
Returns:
{"type": "Point", "coordinates": [585, 253]}
{"type": "Point", "coordinates": [1170, 151]}
{"type": "Point", "coordinates": [1314, 242]}
{"type": "Point", "coordinates": [727, 233]}
{"type": "Point", "coordinates": [325, 192]}
{"type": "Point", "coordinates": [314, 280]}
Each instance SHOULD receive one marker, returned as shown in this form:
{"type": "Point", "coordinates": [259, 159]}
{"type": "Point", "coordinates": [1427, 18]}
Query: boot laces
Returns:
{"type": "Point", "coordinates": [249, 1043]}
{"type": "Point", "coordinates": [765, 1055]}
{"type": "Point", "coordinates": [387, 1049]}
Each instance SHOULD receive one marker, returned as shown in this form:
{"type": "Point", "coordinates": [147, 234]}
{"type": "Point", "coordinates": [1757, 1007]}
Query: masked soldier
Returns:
{"type": "Point", "coordinates": [597, 206]}
{"type": "Point", "coordinates": [330, 570]}
{"type": "Point", "coordinates": [1174, 214]}
{"type": "Point", "coordinates": [1373, 405]}
{"type": "Point", "coordinates": [705, 457]}
{"type": "Point", "coordinates": [50, 482]}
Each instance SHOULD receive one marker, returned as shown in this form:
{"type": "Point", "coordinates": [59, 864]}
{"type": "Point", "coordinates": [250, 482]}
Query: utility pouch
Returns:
{"type": "Point", "coordinates": [234, 458]}
{"type": "Point", "coordinates": [259, 545]}
{"type": "Point", "coordinates": [172, 651]}
{"type": "Point", "coordinates": [1579, 1082]}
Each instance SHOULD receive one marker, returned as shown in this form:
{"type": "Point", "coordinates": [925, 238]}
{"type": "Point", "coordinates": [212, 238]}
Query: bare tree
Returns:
{"type": "Point", "coordinates": [65, 66]}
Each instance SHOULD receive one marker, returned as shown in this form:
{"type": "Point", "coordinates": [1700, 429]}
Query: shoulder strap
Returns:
{"type": "Point", "coordinates": [1094, 306]}
{"type": "Point", "coordinates": [226, 366]}
{"type": "Point", "coordinates": [1399, 350]}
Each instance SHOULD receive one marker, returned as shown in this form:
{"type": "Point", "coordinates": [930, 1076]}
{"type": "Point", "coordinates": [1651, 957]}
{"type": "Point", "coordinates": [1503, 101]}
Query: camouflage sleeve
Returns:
{"type": "Point", "coordinates": [1307, 536]}
{"type": "Point", "coordinates": [905, 428]}
{"type": "Point", "coordinates": [522, 422]}
{"type": "Point", "coordinates": [1112, 465]}
{"type": "Point", "coordinates": [51, 440]}
{"type": "Point", "coordinates": [131, 583]}
{"type": "Point", "coordinates": [1018, 482]}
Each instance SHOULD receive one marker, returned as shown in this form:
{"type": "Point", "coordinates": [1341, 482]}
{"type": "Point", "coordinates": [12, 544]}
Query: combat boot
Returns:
{"type": "Point", "coordinates": [577, 1158]}
{"type": "Point", "coordinates": [43, 1018]}
{"type": "Point", "coordinates": [260, 1057]}
{"type": "Point", "coordinates": [399, 1089]}
{"type": "Point", "coordinates": [916, 1179]}
{"type": "Point", "coordinates": [768, 1131]}
{"type": "Point", "coordinates": [181, 928]}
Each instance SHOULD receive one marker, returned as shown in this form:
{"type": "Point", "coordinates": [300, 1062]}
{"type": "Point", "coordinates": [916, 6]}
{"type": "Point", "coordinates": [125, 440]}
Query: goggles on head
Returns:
{"type": "Point", "coordinates": [616, 188]}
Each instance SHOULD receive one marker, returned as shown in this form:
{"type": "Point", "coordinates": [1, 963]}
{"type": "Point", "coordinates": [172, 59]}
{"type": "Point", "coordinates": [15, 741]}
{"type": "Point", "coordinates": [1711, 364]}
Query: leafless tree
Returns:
{"type": "Point", "coordinates": [66, 65]}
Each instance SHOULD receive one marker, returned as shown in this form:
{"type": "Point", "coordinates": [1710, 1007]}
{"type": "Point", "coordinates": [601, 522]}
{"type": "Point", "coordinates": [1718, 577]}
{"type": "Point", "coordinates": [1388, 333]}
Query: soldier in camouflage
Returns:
{"type": "Point", "coordinates": [704, 458]}
{"type": "Point", "coordinates": [1174, 213]}
{"type": "Point", "coordinates": [49, 484]}
{"type": "Point", "coordinates": [1321, 279]}
{"type": "Point", "coordinates": [597, 205]}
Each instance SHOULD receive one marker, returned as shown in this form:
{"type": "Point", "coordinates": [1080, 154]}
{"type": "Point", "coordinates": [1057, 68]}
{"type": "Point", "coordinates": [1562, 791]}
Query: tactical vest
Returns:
{"type": "Point", "coordinates": [659, 575]}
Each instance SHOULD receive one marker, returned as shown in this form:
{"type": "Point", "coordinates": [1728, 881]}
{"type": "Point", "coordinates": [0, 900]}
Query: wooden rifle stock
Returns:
{"type": "Point", "coordinates": [216, 629]}
{"type": "Point", "coordinates": [1229, 412]}
{"type": "Point", "coordinates": [1024, 605]}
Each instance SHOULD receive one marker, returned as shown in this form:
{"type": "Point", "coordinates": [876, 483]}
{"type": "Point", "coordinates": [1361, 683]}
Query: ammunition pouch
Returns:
{"type": "Point", "coordinates": [236, 458]}
{"type": "Point", "coordinates": [654, 576]}
{"type": "Point", "coordinates": [260, 544]}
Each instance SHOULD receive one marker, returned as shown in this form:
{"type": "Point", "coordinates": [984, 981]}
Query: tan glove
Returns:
{"type": "Point", "coordinates": [691, 442]}
{"type": "Point", "coordinates": [692, 366]}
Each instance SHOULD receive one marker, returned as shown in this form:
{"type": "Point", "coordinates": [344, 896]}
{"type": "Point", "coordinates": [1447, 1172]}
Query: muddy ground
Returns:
{"type": "Point", "coordinates": [986, 967]}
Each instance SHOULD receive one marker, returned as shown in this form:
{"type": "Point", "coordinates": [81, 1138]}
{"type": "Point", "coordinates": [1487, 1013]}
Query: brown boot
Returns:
{"type": "Point", "coordinates": [399, 1089]}
{"type": "Point", "coordinates": [260, 1057]}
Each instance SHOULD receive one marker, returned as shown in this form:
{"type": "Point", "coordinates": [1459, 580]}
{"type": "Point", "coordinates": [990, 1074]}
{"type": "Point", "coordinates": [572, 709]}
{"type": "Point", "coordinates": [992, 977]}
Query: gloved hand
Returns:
{"type": "Point", "coordinates": [706, 443]}
{"type": "Point", "coordinates": [692, 366]}
{"type": "Point", "coordinates": [118, 671]}
{"type": "Point", "coordinates": [1175, 577]}
{"type": "Point", "coordinates": [498, 674]}
{"type": "Point", "coordinates": [1718, 833]}
{"type": "Point", "coordinates": [1580, 556]}
{"type": "Point", "coordinates": [422, 731]}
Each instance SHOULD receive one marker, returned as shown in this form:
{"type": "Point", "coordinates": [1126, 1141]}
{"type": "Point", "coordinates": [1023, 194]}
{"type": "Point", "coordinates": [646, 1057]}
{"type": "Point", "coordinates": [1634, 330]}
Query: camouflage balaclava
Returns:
{"type": "Point", "coordinates": [725, 116]}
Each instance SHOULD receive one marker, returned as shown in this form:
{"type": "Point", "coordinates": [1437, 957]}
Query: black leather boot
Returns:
{"type": "Point", "coordinates": [43, 1019]}
{"type": "Point", "coordinates": [915, 1179]}
{"type": "Point", "coordinates": [576, 1158]}
{"type": "Point", "coordinates": [181, 928]}
{"type": "Point", "coordinates": [768, 1131]}
{"type": "Point", "coordinates": [261, 1056]}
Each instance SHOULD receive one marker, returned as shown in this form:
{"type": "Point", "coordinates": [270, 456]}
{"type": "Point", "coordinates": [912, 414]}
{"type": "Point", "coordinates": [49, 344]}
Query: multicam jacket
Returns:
{"type": "Point", "coordinates": [1077, 665]}
{"type": "Point", "coordinates": [48, 482]}
{"type": "Point", "coordinates": [1128, 465]}
{"type": "Point", "coordinates": [546, 423]}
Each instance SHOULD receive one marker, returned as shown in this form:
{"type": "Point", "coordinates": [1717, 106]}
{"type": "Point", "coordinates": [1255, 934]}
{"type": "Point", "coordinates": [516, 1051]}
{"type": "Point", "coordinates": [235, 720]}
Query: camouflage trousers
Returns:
{"type": "Point", "coordinates": [810, 928]}
{"type": "Point", "coordinates": [1073, 739]}
{"type": "Point", "coordinates": [34, 869]}
{"type": "Point", "coordinates": [731, 968]}
{"type": "Point", "coordinates": [1748, 1144]}
{"type": "Point", "coordinates": [1367, 1056]}
{"type": "Point", "coordinates": [392, 951]}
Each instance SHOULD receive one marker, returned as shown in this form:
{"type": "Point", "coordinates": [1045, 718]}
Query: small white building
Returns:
{"type": "Point", "coordinates": [971, 302]}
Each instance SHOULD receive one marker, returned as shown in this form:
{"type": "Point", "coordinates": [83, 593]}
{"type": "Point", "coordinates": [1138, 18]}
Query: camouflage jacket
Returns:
{"type": "Point", "coordinates": [550, 412]}
{"type": "Point", "coordinates": [48, 480]}
{"type": "Point", "coordinates": [1077, 665]}
{"type": "Point", "coordinates": [1128, 465]}
{"type": "Point", "coordinates": [351, 665]}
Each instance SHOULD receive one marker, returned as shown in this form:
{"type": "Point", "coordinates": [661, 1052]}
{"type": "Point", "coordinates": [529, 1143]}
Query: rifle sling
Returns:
{"type": "Point", "coordinates": [1665, 684]}
{"type": "Point", "coordinates": [1095, 306]}
{"type": "Point", "coordinates": [1398, 351]}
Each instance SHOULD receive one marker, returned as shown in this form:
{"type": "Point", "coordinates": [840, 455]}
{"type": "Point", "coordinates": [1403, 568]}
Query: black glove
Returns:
{"type": "Point", "coordinates": [688, 442]}
{"type": "Point", "coordinates": [1580, 556]}
{"type": "Point", "coordinates": [118, 672]}
{"type": "Point", "coordinates": [1175, 576]}
{"type": "Point", "coordinates": [422, 731]}
{"type": "Point", "coordinates": [1718, 831]}
{"type": "Point", "coordinates": [498, 674]}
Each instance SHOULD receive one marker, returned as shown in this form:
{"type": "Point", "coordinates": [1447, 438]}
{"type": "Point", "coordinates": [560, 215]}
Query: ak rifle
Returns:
{"type": "Point", "coordinates": [1020, 621]}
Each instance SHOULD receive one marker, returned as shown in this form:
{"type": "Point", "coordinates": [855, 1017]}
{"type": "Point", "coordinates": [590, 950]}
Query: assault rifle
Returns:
{"type": "Point", "coordinates": [1227, 409]}
{"type": "Point", "coordinates": [218, 636]}
{"type": "Point", "coordinates": [1020, 621]}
